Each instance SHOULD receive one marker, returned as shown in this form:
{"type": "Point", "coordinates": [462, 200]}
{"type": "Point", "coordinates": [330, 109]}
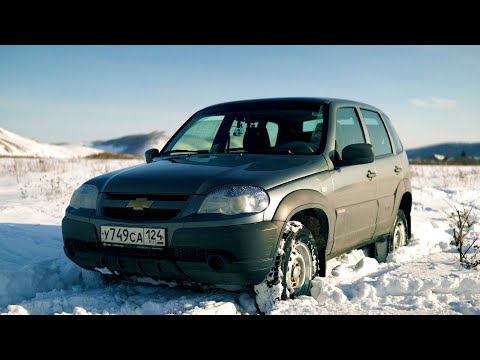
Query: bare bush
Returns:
{"type": "Point", "coordinates": [446, 176]}
{"type": "Point", "coordinates": [109, 155]}
{"type": "Point", "coordinates": [462, 222]}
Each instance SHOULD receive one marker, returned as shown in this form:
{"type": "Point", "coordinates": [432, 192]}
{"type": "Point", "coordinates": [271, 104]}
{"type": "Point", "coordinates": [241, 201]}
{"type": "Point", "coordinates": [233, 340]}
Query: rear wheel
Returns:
{"type": "Point", "coordinates": [397, 238]}
{"type": "Point", "coordinates": [400, 231]}
{"type": "Point", "coordinates": [295, 267]}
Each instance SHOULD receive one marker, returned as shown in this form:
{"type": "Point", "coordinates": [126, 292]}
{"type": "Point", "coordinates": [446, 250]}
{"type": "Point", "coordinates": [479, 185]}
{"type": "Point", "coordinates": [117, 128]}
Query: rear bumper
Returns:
{"type": "Point", "coordinates": [231, 255]}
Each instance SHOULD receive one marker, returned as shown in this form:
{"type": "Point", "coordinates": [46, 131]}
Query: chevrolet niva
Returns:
{"type": "Point", "coordinates": [254, 193]}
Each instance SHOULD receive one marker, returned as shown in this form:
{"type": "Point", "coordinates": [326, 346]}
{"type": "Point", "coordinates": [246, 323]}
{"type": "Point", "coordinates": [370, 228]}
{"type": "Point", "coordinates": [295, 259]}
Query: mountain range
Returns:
{"type": "Point", "coordinates": [133, 144]}
{"type": "Point", "coordinates": [449, 150]}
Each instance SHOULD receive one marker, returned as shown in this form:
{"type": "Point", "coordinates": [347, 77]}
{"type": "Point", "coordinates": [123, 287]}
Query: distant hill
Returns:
{"type": "Point", "coordinates": [133, 144]}
{"type": "Point", "coordinates": [450, 150]}
{"type": "Point", "coordinates": [12, 144]}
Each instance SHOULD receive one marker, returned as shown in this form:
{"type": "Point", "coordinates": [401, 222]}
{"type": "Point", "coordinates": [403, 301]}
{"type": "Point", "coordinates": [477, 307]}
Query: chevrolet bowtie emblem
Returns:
{"type": "Point", "coordinates": [139, 204]}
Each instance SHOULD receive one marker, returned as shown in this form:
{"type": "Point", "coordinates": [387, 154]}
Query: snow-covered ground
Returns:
{"type": "Point", "coordinates": [15, 145]}
{"type": "Point", "coordinates": [424, 277]}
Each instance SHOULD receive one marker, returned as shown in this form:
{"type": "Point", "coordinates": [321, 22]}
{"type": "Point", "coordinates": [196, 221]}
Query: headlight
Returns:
{"type": "Point", "coordinates": [235, 200]}
{"type": "Point", "coordinates": [85, 197]}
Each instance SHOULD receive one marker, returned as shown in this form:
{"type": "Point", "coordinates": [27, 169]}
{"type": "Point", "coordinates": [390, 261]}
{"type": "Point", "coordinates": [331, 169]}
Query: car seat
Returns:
{"type": "Point", "coordinates": [256, 138]}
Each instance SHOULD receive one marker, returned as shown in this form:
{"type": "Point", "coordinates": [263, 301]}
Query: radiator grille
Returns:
{"type": "Point", "coordinates": [142, 215]}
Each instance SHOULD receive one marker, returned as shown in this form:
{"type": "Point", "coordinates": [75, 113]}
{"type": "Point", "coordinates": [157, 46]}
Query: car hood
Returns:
{"type": "Point", "coordinates": [199, 174]}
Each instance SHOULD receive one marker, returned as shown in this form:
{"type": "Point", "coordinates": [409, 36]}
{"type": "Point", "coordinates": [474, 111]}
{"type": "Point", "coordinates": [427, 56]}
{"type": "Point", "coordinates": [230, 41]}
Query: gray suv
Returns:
{"type": "Point", "coordinates": [255, 193]}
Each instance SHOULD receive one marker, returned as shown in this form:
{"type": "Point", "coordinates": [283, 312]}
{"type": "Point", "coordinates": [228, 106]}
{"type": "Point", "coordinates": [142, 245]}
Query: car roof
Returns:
{"type": "Point", "coordinates": [315, 100]}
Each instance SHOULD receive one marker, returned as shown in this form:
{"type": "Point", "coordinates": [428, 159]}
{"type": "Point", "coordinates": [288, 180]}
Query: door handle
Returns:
{"type": "Point", "coordinates": [398, 169]}
{"type": "Point", "coordinates": [371, 174]}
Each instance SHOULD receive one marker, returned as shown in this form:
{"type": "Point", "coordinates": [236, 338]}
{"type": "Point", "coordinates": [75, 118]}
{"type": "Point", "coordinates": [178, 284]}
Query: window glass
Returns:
{"type": "Point", "coordinates": [378, 133]}
{"type": "Point", "coordinates": [349, 131]}
{"type": "Point", "coordinates": [393, 132]}
{"type": "Point", "coordinates": [311, 125]}
{"type": "Point", "coordinates": [200, 135]}
{"type": "Point", "coordinates": [237, 133]}
{"type": "Point", "coordinates": [272, 129]}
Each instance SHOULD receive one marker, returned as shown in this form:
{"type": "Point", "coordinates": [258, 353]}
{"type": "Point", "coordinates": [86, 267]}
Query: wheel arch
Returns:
{"type": "Point", "coordinates": [311, 209]}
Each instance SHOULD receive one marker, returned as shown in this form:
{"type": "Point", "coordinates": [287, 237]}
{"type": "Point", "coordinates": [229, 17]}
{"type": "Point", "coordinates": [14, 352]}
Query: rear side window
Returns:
{"type": "Point", "coordinates": [272, 129]}
{"type": "Point", "coordinates": [349, 131]}
{"type": "Point", "coordinates": [396, 140]}
{"type": "Point", "coordinates": [378, 133]}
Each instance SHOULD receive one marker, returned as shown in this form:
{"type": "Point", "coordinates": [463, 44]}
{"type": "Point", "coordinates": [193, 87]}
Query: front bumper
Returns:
{"type": "Point", "coordinates": [233, 255]}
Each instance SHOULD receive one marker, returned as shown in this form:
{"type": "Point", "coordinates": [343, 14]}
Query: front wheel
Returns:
{"type": "Point", "coordinates": [295, 266]}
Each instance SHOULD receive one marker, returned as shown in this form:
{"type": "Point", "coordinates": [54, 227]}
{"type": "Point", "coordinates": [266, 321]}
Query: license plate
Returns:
{"type": "Point", "coordinates": [133, 236]}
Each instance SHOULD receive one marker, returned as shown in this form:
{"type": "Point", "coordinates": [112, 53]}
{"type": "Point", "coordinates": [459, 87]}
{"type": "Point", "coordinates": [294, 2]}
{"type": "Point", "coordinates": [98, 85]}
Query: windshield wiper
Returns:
{"type": "Point", "coordinates": [272, 151]}
{"type": "Point", "coordinates": [260, 151]}
{"type": "Point", "coordinates": [185, 151]}
{"type": "Point", "coordinates": [241, 149]}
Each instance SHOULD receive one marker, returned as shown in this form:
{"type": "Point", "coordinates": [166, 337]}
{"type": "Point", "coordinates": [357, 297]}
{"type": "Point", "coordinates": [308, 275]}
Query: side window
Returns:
{"type": "Point", "coordinates": [348, 129]}
{"type": "Point", "coordinates": [378, 133]}
{"type": "Point", "coordinates": [393, 132]}
{"type": "Point", "coordinates": [311, 125]}
{"type": "Point", "coordinates": [272, 129]}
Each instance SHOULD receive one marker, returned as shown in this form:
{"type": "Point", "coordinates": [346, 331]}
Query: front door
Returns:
{"type": "Point", "coordinates": [355, 187]}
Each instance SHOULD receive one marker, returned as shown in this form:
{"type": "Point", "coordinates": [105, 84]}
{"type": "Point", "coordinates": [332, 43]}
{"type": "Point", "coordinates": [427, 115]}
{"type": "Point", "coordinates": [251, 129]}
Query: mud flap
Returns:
{"type": "Point", "coordinates": [382, 249]}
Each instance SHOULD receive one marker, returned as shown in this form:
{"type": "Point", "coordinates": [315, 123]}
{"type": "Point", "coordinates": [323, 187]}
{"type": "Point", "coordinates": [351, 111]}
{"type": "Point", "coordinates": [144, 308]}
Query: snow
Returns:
{"type": "Point", "coordinates": [15, 145]}
{"type": "Point", "coordinates": [424, 277]}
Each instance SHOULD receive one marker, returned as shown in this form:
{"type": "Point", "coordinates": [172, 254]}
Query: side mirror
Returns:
{"type": "Point", "coordinates": [356, 154]}
{"type": "Point", "coordinates": [150, 154]}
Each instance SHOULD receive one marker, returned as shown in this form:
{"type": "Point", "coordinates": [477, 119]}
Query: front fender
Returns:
{"type": "Point", "coordinates": [301, 200]}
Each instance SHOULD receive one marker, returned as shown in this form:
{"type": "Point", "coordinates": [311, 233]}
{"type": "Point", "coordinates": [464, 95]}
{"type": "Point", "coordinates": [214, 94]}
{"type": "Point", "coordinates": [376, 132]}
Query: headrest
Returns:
{"type": "Point", "coordinates": [256, 138]}
{"type": "Point", "coordinates": [317, 134]}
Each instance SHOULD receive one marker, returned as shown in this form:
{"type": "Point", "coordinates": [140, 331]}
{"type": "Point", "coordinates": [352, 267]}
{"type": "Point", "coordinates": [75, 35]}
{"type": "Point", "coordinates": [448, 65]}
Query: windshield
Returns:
{"type": "Point", "coordinates": [298, 128]}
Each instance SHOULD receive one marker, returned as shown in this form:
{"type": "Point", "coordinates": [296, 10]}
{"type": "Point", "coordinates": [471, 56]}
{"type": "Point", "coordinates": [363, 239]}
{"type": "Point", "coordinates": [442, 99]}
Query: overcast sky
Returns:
{"type": "Point", "coordinates": [84, 93]}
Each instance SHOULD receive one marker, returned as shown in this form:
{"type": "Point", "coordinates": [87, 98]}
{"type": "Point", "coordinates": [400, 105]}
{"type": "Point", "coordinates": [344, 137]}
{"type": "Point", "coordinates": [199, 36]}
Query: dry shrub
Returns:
{"type": "Point", "coordinates": [462, 222]}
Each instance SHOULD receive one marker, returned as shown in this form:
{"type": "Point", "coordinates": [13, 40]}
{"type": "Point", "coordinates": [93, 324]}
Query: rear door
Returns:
{"type": "Point", "coordinates": [388, 166]}
{"type": "Point", "coordinates": [355, 193]}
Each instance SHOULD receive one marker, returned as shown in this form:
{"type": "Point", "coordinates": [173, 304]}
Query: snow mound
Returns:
{"type": "Point", "coordinates": [15, 145]}
{"type": "Point", "coordinates": [59, 274]}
